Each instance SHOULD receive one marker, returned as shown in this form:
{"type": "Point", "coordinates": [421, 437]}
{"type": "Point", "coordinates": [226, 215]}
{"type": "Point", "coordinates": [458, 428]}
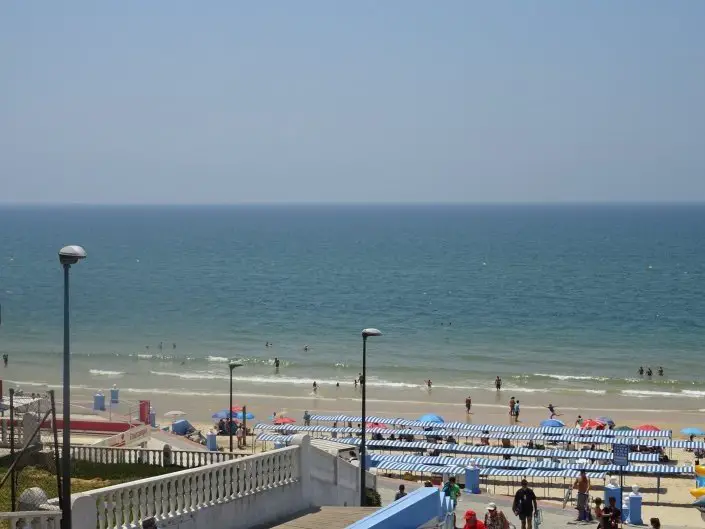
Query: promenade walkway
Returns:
{"type": "Point", "coordinates": [325, 517]}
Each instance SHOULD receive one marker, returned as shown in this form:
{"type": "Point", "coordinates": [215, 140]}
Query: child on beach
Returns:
{"type": "Point", "coordinates": [516, 411]}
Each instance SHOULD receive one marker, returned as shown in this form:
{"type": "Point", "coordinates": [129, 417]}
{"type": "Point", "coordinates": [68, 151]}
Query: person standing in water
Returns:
{"type": "Point", "coordinates": [276, 363]}
{"type": "Point", "coordinates": [641, 371]}
{"type": "Point", "coordinates": [498, 383]}
{"type": "Point", "coordinates": [649, 372]}
{"type": "Point", "coordinates": [660, 371]}
{"type": "Point", "coordinates": [468, 405]}
{"type": "Point", "coordinates": [315, 387]}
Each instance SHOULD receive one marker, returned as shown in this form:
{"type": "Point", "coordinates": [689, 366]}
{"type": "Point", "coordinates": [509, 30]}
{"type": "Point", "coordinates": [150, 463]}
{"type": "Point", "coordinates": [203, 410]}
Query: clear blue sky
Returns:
{"type": "Point", "coordinates": [359, 101]}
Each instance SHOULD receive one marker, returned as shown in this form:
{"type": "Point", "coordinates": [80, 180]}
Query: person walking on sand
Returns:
{"type": "Point", "coordinates": [452, 490]}
{"type": "Point", "coordinates": [552, 410]}
{"type": "Point", "coordinates": [524, 505]}
{"type": "Point", "coordinates": [468, 405]}
{"type": "Point", "coordinates": [516, 411]}
{"type": "Point", "coordinates": [582, 485]}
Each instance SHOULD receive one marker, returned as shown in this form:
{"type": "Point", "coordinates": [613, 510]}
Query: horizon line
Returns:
{"type": "Point", "coordinates": [349, 204]}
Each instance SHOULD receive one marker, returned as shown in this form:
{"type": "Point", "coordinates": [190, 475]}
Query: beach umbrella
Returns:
{"type": "Point", "coordinates": [239, 416]}
{"type": "Point", "coordinates": [375, 425]}
{"type": "Point", "coordinates": [623, 428]}
{"type": "Point", "coordinates": [592, 424]}
{"type": "Point", "coordinates": [283, 420]}
{"type": "Point", "coordinates": [648, 427]}
{"type": "Point", "coordinates": [431, 417]}
{"type": "Point", "coordinates": [174, 414]}
{"type": "Point", "coordinates": [692, 431]}
{"type": "Point", "coordinates": [552, 423]}
{"type": "Point", "coordinates": [607, 420]}
{"type": "Point", "coordinates": [224, 414]}
{"type": "Point", "coordinates": [236, 408]}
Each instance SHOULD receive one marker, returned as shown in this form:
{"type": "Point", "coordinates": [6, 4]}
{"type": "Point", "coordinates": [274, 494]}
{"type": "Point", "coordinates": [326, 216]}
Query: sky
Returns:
{"type": "Point", "coordinates": [219, 102]}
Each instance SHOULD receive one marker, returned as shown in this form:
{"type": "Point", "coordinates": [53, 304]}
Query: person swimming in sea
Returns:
{"type": "Point", "coordinates": [306, 347]}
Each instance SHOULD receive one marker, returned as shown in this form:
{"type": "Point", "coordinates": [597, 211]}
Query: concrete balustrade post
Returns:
{"type": "Point", "coordinates": [83, 511]}
{"type": "Point", "coordinates": [304, 462]}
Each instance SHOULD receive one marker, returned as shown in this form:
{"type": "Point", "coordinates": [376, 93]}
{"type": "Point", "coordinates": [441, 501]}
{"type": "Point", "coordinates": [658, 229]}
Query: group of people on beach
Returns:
{"type": "Point", "coordinates": [649, 371]}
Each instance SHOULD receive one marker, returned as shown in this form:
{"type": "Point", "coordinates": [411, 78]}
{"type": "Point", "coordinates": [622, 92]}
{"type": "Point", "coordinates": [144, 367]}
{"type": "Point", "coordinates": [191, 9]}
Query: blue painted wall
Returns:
{"type": "Point", "coordinates": [412, 511]}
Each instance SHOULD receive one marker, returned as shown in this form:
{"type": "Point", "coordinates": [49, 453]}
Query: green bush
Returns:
{"type": "Point", "coordinates": [372, 498]}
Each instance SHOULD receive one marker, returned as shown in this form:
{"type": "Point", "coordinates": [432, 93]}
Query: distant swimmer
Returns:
{"type": "Point", "coordinates": [161, 345]}
{"type": "Point", "coordinates": [498, 383]}
{"type": "Point", "coordinates": [173, 346]}
{"type": "Point", "coordinates": [305, 347]}
{"type": "Point", "coordinates": [5, 359]}
{"type": "Point", "coordinates": [266, 344]}
{"type": "Point", "coordinates": [315, 387]}
{"type": "Point", "coordinates": [641, 371]}
{"type": "Point", "coordinates": [276, 363]}
{"type": "Point", "coordinates": [649, 372]}
{"type": "Point", "coordinates": [660, 371]}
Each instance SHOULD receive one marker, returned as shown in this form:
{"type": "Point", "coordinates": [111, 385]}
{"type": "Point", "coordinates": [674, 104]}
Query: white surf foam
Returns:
{"type": "Point", "coordinates": [106, 373]}
{"type": "Point", "coordinates": [571, 377]}
{"type": "Point", "coordinates": [212, 358]}
{"type": "Point", "coordinates": [643, 393]}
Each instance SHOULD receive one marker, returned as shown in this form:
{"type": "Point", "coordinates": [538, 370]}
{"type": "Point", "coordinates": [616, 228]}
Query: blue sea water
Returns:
{"type": "Point", "coordinates": [554, 297]}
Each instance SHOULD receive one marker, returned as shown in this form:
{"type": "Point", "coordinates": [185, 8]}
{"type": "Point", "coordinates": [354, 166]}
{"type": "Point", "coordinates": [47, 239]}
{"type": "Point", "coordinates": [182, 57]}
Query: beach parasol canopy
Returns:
{"type": "Point", "coordinates": [592, 424]}
{"type": "Point", "coordinates": [174, 414]}
{"type": "Point", "coordinates": [283, 420]}
{"type": "Point", "coordinates": [236, 408]}
{"type": "Point", "coordinates": [692, 431]}
{"type": "Point", "coordinates": [431, 417]}
{"type": "Point", "coordinates": [375, 425]}
{"type": "Point", "coordinates": [623, 428]}
{"type": "Point", "coordinates": [239, 416]}
{"type": "Point", "coordinates": [552, 423]}
{"type": "Point", "coordinates": [224, 414]}
{"type": "Point", "coordinates": [648, 427]}
{"type": "Point", "coordinates": [607, 420]}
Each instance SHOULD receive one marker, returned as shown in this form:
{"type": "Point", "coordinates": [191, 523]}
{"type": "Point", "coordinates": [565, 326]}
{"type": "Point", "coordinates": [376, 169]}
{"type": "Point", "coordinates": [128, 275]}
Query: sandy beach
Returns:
{"type": "Point", "coordinates": [488, 408]}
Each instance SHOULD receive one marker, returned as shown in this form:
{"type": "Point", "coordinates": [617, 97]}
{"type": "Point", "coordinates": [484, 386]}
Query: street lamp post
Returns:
{"type": "Point", "coordinates": [68, 255]}
{"type": "Point", "coordinates": [231, 365]}
{"type": "Point", "coordinates": [363, 385]}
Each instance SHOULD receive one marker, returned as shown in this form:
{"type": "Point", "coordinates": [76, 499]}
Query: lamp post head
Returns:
{"type": "Point", "coordinates": [71, 254]}
{"type": "Point", "coordinates": [371, 332]}
{"type": "Point", "coordinates": [233, 365]}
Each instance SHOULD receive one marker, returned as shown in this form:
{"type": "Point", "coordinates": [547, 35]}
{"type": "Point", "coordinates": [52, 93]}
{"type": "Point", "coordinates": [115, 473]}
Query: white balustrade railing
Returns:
{"type": "Point", "coordinates": [149, 456]}
{"type": "Point", "coordinates": [186, 491]}
{"type": "Point", "coordinates": [31, 520]}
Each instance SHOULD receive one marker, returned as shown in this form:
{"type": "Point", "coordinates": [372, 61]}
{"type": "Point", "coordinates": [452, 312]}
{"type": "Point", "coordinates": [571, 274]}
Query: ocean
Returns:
{"type": "Point", "coordinates": [553, 299]}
